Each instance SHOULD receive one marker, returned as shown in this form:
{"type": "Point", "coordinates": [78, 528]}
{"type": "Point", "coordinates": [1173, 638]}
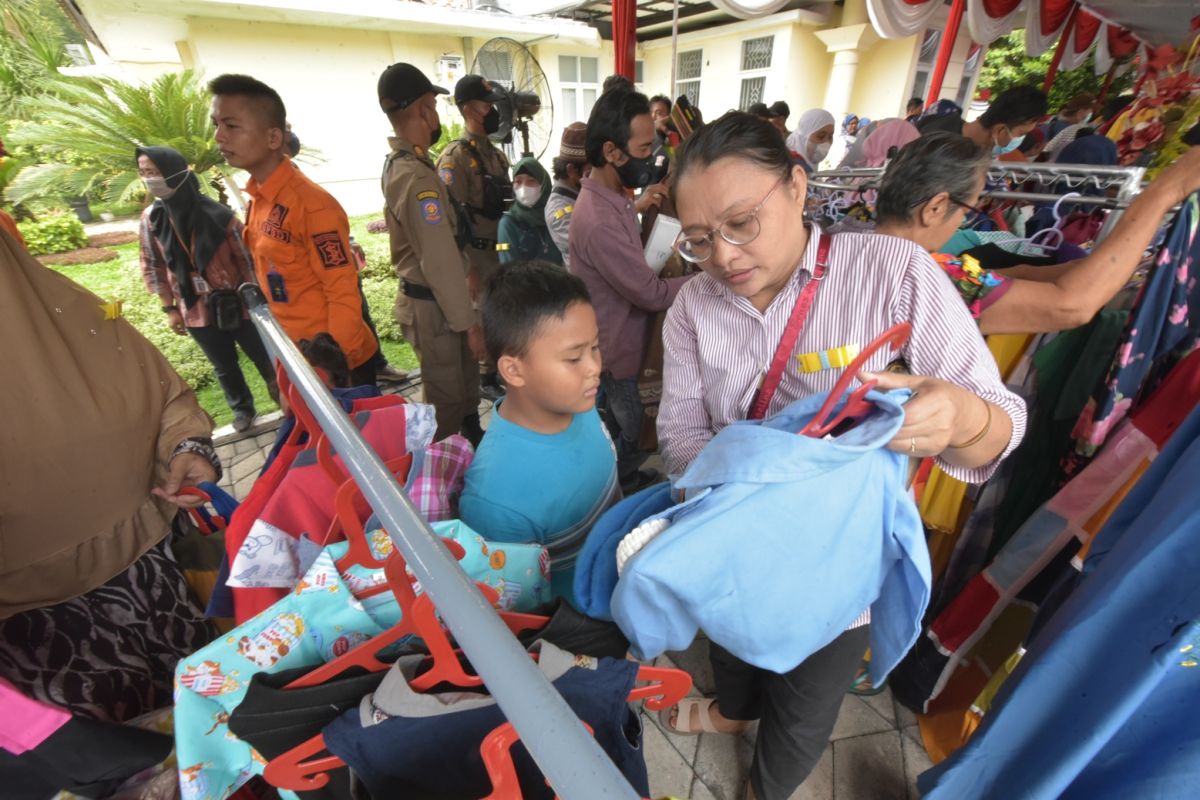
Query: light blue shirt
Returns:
{"type": "Point", "coordinates": [548, 489]}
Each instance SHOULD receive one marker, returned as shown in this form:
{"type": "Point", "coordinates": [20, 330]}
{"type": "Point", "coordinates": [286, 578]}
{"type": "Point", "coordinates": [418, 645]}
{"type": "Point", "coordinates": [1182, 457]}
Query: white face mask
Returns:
{"type": "Point", "coordinates": [818, 152]}
{"type": "Point", "coordinates": [528, 196]}
{"type": "Point", "coordinates": [159, 188]}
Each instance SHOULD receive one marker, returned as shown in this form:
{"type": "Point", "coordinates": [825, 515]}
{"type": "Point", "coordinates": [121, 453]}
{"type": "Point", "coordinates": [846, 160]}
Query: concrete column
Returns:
{"type": "Point", "coordinates": [845, 43]}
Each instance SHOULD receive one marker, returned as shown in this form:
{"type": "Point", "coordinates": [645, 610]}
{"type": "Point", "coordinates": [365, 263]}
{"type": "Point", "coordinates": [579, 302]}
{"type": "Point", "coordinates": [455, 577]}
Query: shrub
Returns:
{"type": "Point", "coordinates": [55, 233]}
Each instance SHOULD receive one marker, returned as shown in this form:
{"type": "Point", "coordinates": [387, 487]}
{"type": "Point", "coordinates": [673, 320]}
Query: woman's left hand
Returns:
{"type": "Point", "coordinates": [931, 416]}
{"type": "Point", "coordinates": [186, 469]}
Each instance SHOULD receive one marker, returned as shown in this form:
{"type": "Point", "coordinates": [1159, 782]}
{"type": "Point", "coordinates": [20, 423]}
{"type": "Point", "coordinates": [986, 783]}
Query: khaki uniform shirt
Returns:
{"type": "Point", "coordinates": [421, 224]}
{"type": "Point", "coordinates": [461, 167]}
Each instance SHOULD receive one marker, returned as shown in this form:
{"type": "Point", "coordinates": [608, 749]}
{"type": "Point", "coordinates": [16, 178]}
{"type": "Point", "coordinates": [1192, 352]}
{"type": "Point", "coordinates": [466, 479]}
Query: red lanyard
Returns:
{"type": "Point", "coordinates": [758, 408]}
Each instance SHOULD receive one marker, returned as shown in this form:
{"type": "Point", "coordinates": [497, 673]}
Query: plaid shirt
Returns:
{"type": "Point", "coordinates": [438, 478]}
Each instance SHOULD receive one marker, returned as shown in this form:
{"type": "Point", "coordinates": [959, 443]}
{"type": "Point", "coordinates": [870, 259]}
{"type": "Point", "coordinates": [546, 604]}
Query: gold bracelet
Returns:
{"type": "Point", "coordinates": [977, 438]}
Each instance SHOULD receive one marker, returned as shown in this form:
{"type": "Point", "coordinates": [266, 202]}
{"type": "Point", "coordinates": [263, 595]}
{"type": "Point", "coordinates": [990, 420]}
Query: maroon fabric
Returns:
{"type": "Point", "coordinates": [1054, 14]}
{"type": "Point", "coordinates": [1086, 28]}
{"type": "Point", "coordinates": [999, 8]}
{"type": "Point", "coordinates": [624, 17]}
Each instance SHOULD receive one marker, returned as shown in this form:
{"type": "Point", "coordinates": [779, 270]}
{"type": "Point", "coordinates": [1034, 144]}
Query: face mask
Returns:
{"type": "Point", "coordinates": [491, 121]}
{"type": "Point", "coordinates": [997, 150]}
{"type": "Point", "coordinates": [819, 151]}
{"type": "Point", "coordinates": [636, 173]}
{"type": "Point", "coordinates": [528, 196]}
{"type": "Point", "coordinates": [159, 188]}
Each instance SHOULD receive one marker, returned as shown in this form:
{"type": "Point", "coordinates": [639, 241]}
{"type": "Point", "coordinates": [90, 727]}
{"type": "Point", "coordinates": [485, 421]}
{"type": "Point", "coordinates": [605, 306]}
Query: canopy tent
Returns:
{"type": "Point", "coordinates": [1115, 28]}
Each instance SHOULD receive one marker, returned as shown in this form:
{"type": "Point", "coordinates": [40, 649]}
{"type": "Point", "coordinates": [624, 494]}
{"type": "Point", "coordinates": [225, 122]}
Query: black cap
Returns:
{"type": "Point", "coordinates": [779, 109]}
{"type": "Point", "coordinates": [401, 84]}
{"type": "Point", "coordinates": [758, 110]}
{"type": "Point", "coordinates": [475, 87]}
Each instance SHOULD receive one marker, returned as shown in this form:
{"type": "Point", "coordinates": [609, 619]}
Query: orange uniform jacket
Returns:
{"type": "Point", "coordinates": [299, 237]}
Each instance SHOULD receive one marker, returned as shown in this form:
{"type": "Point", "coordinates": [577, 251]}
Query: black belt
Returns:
{"type": "Point", "coordinates": [483, 244]}
{"type": "Point", "coordinates": [416, 291]}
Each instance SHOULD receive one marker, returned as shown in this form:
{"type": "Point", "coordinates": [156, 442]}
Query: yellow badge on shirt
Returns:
{"type": "Point", "coordinates": [430, 204]}
{"type": "Point", "coordinates": [113, 309]}
{"type": "Point", "coordinates": [834, 358]}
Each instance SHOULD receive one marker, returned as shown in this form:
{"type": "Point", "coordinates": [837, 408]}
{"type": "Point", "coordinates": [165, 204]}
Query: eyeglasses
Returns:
{"type": "Point", "coordinates": [739, 230]}
{"type": "Point", "coordinates": [969, 207]}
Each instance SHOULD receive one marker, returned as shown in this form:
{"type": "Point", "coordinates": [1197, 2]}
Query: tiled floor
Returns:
{"type": "Point", "coordinates": [875, 754]}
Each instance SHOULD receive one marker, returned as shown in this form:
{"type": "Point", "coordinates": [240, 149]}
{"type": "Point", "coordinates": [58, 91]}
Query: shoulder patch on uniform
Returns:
{"type": "Point", "coordinates": [447, 175]}
{"type": "Point", "coordinates": [431, 207]}
{"type": "Point", "coordinates": [330, 248]}
{"type": "Point", "coordinates": [562, 212]}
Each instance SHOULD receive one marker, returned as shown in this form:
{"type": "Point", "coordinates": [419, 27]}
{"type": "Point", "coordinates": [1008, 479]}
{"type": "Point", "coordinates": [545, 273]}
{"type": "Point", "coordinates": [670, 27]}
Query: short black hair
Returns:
{"type": "Point", "coordinates": [520, 297]}
{"type": "Point", "coordinates": [916, 102]}
{"type": "Point", "coordinates": [558, 167]}
{"type": "Point", "coordinates": [266, 98]}
{"type": "Point", "coordinates": [925, 167]}
{"type": "Point", "coordinates": [616, 82]}
{"type": "Point", "coordinates": [1016, 106]}
{"type": "Point", "coordinates": [737, 134]}
{"type": "Point", "coordinates": [610, 121]}
{"type": "Point", "coordinates": [323, 352]}
{"type": "Point", "coordinates": [662, 98]}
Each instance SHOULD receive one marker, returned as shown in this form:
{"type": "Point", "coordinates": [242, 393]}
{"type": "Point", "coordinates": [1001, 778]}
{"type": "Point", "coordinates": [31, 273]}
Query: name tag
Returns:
{"type": "Point", "coordinates": [277, 287]}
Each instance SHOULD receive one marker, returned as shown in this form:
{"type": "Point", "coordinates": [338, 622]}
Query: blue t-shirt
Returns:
{"type": "Point", "coordinates": [525, 486]}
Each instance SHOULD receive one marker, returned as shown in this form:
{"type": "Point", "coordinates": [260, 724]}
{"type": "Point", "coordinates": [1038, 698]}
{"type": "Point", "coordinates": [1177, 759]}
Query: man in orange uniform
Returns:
{"type": "Point", "coordinates": [298, 234]}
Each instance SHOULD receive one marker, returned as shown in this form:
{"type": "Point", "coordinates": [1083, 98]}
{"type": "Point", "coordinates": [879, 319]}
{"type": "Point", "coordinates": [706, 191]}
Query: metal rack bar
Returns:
{"type": "Point", "coordinates": [568, 756]}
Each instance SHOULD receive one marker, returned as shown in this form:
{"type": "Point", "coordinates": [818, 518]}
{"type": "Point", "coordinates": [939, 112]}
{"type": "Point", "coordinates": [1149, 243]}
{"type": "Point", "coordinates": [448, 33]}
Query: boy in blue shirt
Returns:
{"type": "Point", "coordinates": [547, 469]}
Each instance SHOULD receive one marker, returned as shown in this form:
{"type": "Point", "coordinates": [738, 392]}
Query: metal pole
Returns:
{"type": "Point", "coordinates": [674, 45]}
{"type": "Point", "coordinates": [949, 37]}
{"type": "Point", "coordinates": [1133, 185]}
{"type": "Point", "coordinates": [570, 758]}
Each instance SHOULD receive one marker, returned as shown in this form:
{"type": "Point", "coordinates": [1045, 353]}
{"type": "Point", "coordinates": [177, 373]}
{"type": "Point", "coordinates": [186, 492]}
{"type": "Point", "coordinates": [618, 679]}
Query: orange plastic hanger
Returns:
{"type": "Point", "coordinates": [856, 403]}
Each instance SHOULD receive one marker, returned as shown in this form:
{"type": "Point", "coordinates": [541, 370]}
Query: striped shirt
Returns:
{"type": "Point", "coordinates": [718, 346]}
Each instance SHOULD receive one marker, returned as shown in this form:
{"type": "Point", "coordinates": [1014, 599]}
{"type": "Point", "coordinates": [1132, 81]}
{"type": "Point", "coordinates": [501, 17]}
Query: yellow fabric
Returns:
{"type": "Point", "coordinates": [983, 703]}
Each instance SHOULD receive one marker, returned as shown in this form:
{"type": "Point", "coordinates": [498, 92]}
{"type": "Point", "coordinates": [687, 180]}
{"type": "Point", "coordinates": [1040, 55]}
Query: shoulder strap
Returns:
{"type": "Point", "coordinates": [783, 353]}
{"type": "Point", "coordinates": [563, 191]}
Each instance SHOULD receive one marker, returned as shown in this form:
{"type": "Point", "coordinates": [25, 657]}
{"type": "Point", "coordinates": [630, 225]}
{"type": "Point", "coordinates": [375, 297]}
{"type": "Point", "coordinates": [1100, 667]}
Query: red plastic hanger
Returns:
{"type": "Point", "coordinates": [207, 523]}
{"type": "Point", "coordinates": [349, 506]}
{"type": "Point", "coordinates": [856, 403]}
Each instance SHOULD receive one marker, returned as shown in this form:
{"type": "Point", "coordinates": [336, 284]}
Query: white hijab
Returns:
{"type": "Point", "coordinates": [810, 122]}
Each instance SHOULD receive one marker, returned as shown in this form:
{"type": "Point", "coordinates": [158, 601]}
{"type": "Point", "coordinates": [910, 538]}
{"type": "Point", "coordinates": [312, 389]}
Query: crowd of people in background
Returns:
{"type": "Point", "coordinates": [531, 287]}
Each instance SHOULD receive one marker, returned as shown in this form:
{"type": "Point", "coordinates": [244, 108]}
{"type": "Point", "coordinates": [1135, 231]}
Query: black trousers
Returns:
{"type": "Point", "coordinates": [796, 711]}
{"type": "Point", "coordinates": [364, 373]}
{"type": "Point", "coordinates": [221, 349]}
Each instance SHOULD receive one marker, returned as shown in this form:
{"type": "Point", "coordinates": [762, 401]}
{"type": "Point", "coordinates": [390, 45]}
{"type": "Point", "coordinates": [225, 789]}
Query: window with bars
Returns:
{"type": "Point", "coordinates": [968, 77]}
{"type": "Point", "coordinates": [687, 75]}
{"type": "Point", "coordinates": [753, 90]}
{"type": "Point", "coordinates": [579, 79]}
{"type": "Point", "coordinates": [756, 53]}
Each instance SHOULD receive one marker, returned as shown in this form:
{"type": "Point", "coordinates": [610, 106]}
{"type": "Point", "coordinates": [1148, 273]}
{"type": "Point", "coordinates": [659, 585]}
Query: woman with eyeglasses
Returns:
{"type": "Point", "coordinates": [936, 180]}
{"type": "Point", "coordinates": [741, 204]}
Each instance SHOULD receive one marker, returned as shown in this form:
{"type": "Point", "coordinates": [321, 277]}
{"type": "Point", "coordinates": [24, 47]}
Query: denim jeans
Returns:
{"type": "Point", "coordinates": [623, 414]}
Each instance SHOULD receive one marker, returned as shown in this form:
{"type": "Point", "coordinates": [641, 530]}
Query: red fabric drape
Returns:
{"type": "Point", "coordinates": [624, 16]}
{"type": "Point", "coordinates": [1054, 14]}
{"type": "Point", "coordinates": [999, 8]}
{"type": "Point", "coordinates": [917, 2]}
{"type": "Point", "coordinates": [953, 22]}
{"type": "Point", "coordinates": [1061, 47]}
{"type": "Point", "coordinates": [1086, 28]}
{"type": "Point", "coordinates": [1120, 42]}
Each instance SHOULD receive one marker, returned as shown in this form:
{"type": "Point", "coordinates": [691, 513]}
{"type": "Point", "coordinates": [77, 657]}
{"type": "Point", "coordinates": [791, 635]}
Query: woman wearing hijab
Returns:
{"type": "Point", "coordinates": [845, 139]}
{"type": "Point", "coordinates": [99, 436]}
{"type": "Point", "coordinates": [193, 259]}
{"type": "Point", "coordinates": [523, 235]}
{"type": "Point", "coordinates": [811, 140]}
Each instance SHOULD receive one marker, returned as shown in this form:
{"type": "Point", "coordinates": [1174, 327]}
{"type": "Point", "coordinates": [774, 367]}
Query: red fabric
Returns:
{"type": "Point", "coordinates": [999, 8]}
{"type": "Point", "coordinates": [917, 2]}
{"type": "Point", "coordinates": [1086, 28]}
{"type": "Point", "coordinates": [624, 17]}
{"type": "Point", "coordinates": [965, 614]}
{"type": "Point", "coordinates": [1120, 42]}
{"type": "Point", "coordinates": [953, 23]}
{"type": "Point", "coordinates": [1054, 14]}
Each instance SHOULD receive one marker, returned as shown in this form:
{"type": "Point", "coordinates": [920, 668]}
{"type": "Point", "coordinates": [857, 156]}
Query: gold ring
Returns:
{"type": "Point", "coordinates": [912, 445]}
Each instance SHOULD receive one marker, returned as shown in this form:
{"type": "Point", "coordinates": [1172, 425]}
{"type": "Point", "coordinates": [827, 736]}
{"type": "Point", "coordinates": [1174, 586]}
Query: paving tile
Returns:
{"type": "Point", "coordinates": [870, 768]}
{"type": "Point", "coordinates": [904, 717]}
{"type": "Point", "coordinates": [914, 732]}
{"type": "Point", "coordinates": [700, 791]}
{"type": "Point", "coordinates": [684, 745]}
{"type": "Point", "coordinates": [670, 773]}
{"type": "Point", "coordinates": [248, 464]}
{"type": "Point", "coordinates": [695, 662]}
{"type": "Point", "coordinates": [723, 762]}
{"type": "Point", "coordinates": [242, 488]}
{"type": "Point", "coordinates": [916, 761]}
{"type": "Point", "coordinates": [242, 446]}
{"type": "Point", "coordinates": [856, 718]}
{"type": "Point", "coordinates": [265, 441]}
{"type": "Point", "coordinates": [819, 784]}
{"type": "Point", "coordinates": [883, 705]}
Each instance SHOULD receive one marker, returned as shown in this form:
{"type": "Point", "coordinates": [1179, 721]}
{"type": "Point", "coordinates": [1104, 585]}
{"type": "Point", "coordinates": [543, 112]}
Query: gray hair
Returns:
{"type": "Point", "coordinates": [935, 163]}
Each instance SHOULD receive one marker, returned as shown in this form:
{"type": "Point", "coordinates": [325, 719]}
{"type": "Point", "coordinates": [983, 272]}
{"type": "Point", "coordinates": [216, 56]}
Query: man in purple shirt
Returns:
{"type": "Point", "coordinates": [606, 252]}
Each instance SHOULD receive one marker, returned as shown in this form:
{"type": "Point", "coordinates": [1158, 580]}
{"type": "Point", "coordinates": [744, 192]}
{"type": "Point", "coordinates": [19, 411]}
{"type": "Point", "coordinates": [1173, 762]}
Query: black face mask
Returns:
{"type": "Point", "coordinates": [636, 173]}
{"type": "Point", "coordinates": [435, 135]}
{"type": "Point", "coordinates": [491, 121]}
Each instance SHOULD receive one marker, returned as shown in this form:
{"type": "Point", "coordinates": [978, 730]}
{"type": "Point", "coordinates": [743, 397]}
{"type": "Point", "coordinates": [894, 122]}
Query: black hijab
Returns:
{"type": "Point", "coordinates": [201, 222]}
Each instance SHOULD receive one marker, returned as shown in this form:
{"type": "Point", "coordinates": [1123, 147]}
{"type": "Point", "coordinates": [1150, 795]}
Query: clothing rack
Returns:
{"type": "Point", "coordinates": [1126, 180]}
{"type": "Point", "coordinates": [573, 763]}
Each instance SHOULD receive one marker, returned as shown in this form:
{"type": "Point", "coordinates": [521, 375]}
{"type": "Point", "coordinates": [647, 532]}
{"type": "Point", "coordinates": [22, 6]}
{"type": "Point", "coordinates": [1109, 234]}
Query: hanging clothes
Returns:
{"type": "Point", "coordinates": [1103, 704]}
{"type": "Point", "coordinates": [839, 503]}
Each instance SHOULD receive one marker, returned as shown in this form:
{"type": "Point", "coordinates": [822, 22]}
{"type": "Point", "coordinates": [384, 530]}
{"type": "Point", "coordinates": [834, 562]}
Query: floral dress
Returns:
{"type": "Point", "coordinates": [980, 288]}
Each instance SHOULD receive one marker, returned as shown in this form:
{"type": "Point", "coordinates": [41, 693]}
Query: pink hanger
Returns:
{"type": "Point", "coordinates": [856, 403]}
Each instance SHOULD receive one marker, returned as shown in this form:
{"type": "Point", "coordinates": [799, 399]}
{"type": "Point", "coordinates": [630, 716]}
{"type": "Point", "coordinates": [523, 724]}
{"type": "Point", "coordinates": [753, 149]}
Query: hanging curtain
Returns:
{"type": "Point", "coordinates": [1112, 44]}
{"type": "Point", "coordinates": [1045, 21]}
{"type": "Point", "coordinates": [988, 20]}
{"type": "Point", "coordinates": [1083, 35]}
{"type": "Point", "coordinates": [624, 17]}
{"type": "Point", "coordinates": [899, 19]}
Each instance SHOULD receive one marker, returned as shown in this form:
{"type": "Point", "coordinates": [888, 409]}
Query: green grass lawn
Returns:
{"type": "Point", "coordinates": [121, 278]}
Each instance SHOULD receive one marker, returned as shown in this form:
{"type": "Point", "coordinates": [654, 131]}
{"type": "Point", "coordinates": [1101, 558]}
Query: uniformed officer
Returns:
{"type": "Point", "coordinates": [434, 306]}
{"type": "Point", "coordinates": [477, 174]}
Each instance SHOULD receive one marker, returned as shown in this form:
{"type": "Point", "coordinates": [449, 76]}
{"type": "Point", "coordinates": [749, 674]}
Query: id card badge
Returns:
{"type": "Point", "coordinates": [277, 287]}
{"type": "Point", "coordinates": [201, 285]}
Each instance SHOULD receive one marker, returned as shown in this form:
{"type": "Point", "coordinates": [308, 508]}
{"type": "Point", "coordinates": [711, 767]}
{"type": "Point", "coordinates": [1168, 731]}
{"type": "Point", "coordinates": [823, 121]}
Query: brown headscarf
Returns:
{"type": "Point", "coordinates": [91, 413]}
